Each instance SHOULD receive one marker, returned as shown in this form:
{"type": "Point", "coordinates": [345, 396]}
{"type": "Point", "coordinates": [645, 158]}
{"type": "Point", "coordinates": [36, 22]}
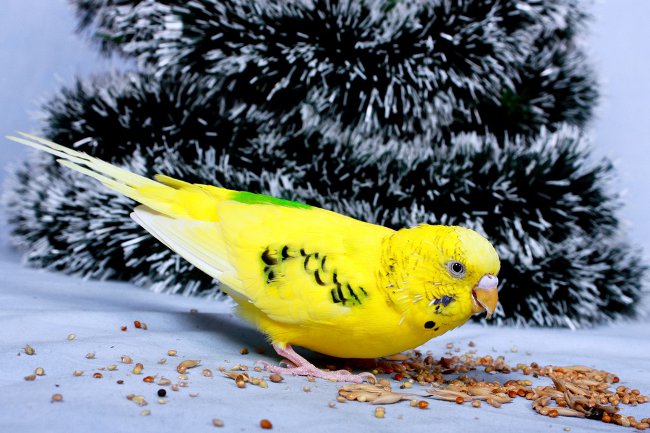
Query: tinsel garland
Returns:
{"type": "Point", "coordinates": [451, 111]}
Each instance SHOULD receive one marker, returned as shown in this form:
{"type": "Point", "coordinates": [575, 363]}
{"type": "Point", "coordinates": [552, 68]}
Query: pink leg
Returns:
{"type": "Point", "coordinates": [302, 367]}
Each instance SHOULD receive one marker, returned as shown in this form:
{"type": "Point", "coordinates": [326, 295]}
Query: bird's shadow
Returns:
{"type": "Point", "coordinates": [238, 332]}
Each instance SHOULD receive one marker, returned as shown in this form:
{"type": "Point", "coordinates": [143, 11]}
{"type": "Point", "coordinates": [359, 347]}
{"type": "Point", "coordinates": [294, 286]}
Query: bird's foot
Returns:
{"type": "Point", "coordinates": [302, 367]}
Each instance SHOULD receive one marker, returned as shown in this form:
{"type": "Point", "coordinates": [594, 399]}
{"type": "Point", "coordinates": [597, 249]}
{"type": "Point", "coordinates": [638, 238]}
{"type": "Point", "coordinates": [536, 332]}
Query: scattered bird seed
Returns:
{"type": "Point", "coordinates": [162, 361]}
{"type": "Point", "coordinates": [126, 359]}
{"type": "Point", "coordinates": [138, 368]}
{"type": "Point", "coordinates": [514, 349]}
{"type": "Point", "coordinates": [98, 375]}
{"type": "Point", "coordinates": [171, 352]}
{"type": "Point", "coordinates": [57, 397]}
{"type": "Point", "coordinates": [380, 412]}
{"type": "Point", "coordinates": [164, 381]}
{"type": "Point", "coordinates": [194, 394]}
{"type": "Point", "coordinates": [207, 372]}
{"type": "Point", "coordinates": [111, 367]}
{"type": "Point", "coordinates": [243, 351]}
{"type": "Point", "coordinates": [266, 424]}
{"type": "Point", "coordinates": [217, 422]}
{"type": "Point", "coordinates": [123, 328]}
{"type": "Point", "coordinates": [331, 404]}
{"type": "Point", "coordinates": [148, 379]}
{"type": "Point", "coordinates": [183, 376]}
{"type": "Point", "coordinates": [162, 392]}
{"type": "Point", "coordinates": [39, 371]}
{"type": "Point", "coordinates": [77, 373]}
{"type": "Point", "coordinates": [185, 365]}
{"type": "Point", "coordinates": [29, 350]}
{"type": "Point", "coordinates": [162, 401]}
{"type": "Point", "coordinates": [341, 399]}
{"type": "Point", "coordinates": [90, 355]}
{"type": "Point", "coordinates": [275, 378]}
{"type": "Point", "coordinates": [145, 412]}
{"type": "Point", "coordinates": [71, 337]}
{"type": "Point", "coordinates": [30, 377]}
{"type": "Point", "coordinates": [306, 388]}
{"type": "Point", "coordinates": [137, 399]}
{"type": "Point", "coordinates": [137, 324]}
{"type": "Point", "coordinates": [120, 382]}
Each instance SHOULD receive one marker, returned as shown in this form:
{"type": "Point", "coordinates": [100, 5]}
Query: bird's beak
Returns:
{"type": "Point", "coordinates": [485, 295]}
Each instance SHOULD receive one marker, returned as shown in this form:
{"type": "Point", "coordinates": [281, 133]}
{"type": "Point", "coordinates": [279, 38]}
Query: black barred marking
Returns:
{"type": "Point", "coordinates": [319, 279]}
{"type": "Point", "coordinates": [276, 259]}
{"type": "Point", "coordinates": [436, 328]}
{"type": "Point", "coordinates": [354, 295]}
{"type": "Point", "coordinates": [268, 259]}
{"type": "Point", "coordinates": [430, 324]}
{"type": "Point", "coordinates": [340, 293]}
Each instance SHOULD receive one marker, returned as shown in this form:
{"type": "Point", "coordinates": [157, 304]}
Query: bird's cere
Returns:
{"type": "Point", "coordinates": [485, 296]}
{"type": "Point", "coordinates": [488, 282]}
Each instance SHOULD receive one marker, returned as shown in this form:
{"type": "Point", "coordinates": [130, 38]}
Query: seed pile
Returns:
{"type": "Point", "coordinates": [576, 391]}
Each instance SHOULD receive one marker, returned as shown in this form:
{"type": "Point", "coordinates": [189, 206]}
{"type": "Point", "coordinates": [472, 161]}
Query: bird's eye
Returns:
{"type": "Point", "coordinates": [457, 269]}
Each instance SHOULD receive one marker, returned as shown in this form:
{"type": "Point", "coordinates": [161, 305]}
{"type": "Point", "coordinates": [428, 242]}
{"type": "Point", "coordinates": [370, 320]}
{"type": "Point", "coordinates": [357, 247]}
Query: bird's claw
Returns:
{"type": "Point", "coordinates": [311, 370]}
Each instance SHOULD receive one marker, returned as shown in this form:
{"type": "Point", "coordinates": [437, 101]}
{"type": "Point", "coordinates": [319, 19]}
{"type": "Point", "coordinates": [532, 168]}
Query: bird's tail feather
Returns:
{"type": "Point", "coordinates": [181, 215]}
{"type": "Point", "coordinates": [166, 195]}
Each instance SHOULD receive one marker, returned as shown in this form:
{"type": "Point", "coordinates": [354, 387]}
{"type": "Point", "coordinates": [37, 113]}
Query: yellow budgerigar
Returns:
{"type": "Point", "coordinates": [307, 276]}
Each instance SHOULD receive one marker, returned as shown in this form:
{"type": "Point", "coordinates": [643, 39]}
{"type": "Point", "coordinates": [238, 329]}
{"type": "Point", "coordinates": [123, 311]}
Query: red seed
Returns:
{"type": "Point", "coordinates": [616, 379]}
{"type": "Point", "coordinates": [512, 393]}
{"type": "Point", "coordinates": [460, 400]}
{"type": "Point", "coordinates": [552, 413]}
{"type": "Point", "coordinates": [148, 379]}
{"type": "Point", "coordinates": [97, 375]}
{"type": "Point", "coordinates": [123, 328]}
{"type": "Point", "coordinates": [398, 377]}
{"type": "Point", "coordinates": [423, 404]}
{"type": "Point", "coordinates": [137, 324]}
{"type": "Point", "coordinates": [388, 370]}
{"type": "Point", "coordinates": [266, 424]}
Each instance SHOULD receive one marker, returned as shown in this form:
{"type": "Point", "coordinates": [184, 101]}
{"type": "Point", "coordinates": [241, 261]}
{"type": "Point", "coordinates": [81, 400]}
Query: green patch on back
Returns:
{"type": "Point", "coordinates": [252, 198]}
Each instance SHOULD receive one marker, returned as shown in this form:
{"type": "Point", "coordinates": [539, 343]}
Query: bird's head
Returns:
{"type": "Point", "coordinates": [438, 276]}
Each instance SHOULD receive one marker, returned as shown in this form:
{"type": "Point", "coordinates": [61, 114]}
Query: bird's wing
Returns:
{"type": "Point", "coordinates": [294, 264]}
{"type": "Point", "coordinates": [301, 265]}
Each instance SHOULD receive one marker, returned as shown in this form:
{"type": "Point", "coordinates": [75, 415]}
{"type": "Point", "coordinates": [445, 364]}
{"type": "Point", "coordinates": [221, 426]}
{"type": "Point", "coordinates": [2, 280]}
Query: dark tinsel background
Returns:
{"type": "Point", "coordinates": [466, 112]}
